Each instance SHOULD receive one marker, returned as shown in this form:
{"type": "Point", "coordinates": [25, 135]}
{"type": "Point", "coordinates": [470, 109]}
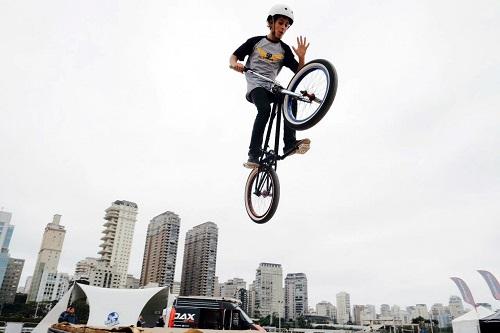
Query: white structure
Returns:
{"type": "Point", "coordinates": [117, 240]}
{"type": "Point", "coordinates": [126, 304]}
{"type": "Point", "coordinates": [456, 306]}
{"type": "Point", "coordinates": [48, 256]}
{"type": "Point", "coordinates": [343, 307]}
{"type": "Point", "coordinates": [469, 322]}
{"type": "Point", "coordinates": [326, 309]}
{"type": "Point", "coordinates": [296, 298]}
{"type": "Point", "coordinates": [268, 290]}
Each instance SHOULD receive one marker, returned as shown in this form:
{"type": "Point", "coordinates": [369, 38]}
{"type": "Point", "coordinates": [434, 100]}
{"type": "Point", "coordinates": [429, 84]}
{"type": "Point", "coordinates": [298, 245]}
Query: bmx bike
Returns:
{"type": "Point", "coordinates": [303, 103]}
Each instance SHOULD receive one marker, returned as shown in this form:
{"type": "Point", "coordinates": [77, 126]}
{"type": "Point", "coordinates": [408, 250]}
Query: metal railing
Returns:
{"type": "Point", "coordinates": [23, 330]}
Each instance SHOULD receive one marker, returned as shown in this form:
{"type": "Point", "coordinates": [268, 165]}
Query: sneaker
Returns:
{"type": "Point", "coordinates": [252, 163]}
{"type": "Point", "coordinates": [300, 147]}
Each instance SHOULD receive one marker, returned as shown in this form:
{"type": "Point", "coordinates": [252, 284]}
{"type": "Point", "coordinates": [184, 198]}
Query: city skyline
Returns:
{"type": "Point", "coordinates": [320, 299]}
{"type": "Point", "coordinates": [398, 192]}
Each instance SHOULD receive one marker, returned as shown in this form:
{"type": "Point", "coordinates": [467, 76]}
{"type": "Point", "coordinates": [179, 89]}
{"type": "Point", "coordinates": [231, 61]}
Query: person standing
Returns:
{"type": "Point", "coordinates": [68, 316]}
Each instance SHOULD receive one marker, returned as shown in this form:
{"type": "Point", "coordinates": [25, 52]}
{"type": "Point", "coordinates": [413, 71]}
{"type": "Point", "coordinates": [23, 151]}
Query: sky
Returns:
{"type": "Point", "coordinates": [133, 100]}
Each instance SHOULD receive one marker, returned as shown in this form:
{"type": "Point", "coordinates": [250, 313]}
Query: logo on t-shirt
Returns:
{"type": "Point", "coordinates": [269, 56]}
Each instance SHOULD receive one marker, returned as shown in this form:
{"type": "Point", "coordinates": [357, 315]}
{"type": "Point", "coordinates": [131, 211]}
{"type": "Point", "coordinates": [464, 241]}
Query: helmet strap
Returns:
{"type": "Point", "coordinates": [273, 29]}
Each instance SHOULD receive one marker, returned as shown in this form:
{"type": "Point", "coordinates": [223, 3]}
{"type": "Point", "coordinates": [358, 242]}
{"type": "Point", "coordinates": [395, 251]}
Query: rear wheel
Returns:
{"type": "Point", "coordinates": [317, 80]}
{"type": "Point", "coordinates": [262, 194]}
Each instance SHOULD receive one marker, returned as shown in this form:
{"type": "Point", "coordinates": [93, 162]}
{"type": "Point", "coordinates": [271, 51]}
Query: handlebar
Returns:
{"type": "Point", "coordinates": [303, 96]}
{"type": "Point", "coordinates": [276, 83]}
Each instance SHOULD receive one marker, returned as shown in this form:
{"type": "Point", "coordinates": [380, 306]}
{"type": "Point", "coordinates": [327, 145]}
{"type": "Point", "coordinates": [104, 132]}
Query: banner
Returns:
{"type": "Point", "coordinates": [492, 282]}
{"type": "Point", "coordinates": [464, 290]}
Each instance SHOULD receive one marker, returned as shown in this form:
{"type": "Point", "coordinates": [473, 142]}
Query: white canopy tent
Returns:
{"type": "Point", "coordinates": [125, 304]}
{"type": "Point", "coordinates": [469, 322]}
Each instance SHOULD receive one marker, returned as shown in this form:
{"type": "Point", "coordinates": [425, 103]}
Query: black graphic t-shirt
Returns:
{"type": "Point", "coordinates": [266, 58]}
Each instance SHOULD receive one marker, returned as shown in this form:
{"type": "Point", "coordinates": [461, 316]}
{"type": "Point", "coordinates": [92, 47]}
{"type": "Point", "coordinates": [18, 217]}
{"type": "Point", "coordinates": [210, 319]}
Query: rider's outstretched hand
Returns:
{"type": "Point", "coordinates": [301, 48]}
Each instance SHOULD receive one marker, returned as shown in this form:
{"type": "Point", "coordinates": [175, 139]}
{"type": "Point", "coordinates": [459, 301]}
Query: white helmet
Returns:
{"type": "Point", "coordinates": [282, 10]}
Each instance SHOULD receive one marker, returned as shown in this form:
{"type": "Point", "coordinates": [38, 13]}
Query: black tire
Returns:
{"type": "Point", "coordinates": [262, 194]}
{"type": "Point", "coordinates": [319, 78]}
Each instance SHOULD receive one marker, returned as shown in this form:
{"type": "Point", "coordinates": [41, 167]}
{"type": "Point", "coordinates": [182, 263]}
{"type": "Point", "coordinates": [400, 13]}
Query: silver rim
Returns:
{"type": "Point", "coordinates": [259, 206]}
{"type": "Point", "coordinates": [314, 78]}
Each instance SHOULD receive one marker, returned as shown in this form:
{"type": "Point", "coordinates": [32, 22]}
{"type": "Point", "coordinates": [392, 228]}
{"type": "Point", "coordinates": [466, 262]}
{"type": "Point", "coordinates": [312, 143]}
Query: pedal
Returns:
{"type": "Point", "coordinates": [303, 148]}
{"type": "Point", "coordinates": [250, 165]}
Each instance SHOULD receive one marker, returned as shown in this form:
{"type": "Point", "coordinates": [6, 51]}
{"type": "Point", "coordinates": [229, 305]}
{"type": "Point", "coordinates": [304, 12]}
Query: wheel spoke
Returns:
{"type": "Point", "coordinates": [315, 80]}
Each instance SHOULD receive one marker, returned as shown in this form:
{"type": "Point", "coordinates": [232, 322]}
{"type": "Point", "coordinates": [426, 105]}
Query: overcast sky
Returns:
{"type": "Point", "coordinates": [123, 100]}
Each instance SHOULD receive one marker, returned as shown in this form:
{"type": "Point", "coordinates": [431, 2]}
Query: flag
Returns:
{"type": "Point", "coordinates": [492, 282]}
{"type": "Point", "coordinates": [464, 290]}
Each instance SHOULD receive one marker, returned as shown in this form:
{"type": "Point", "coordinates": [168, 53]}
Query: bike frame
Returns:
{"type": "Point", "coordinates": [270, 158]}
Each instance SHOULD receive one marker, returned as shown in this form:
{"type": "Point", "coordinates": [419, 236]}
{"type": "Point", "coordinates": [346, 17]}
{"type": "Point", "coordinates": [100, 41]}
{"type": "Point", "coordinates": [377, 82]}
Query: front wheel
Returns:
{"type": "Point", "coordinates": [262, 194]}
{"type": "Point", "coordinates": [317, 81]}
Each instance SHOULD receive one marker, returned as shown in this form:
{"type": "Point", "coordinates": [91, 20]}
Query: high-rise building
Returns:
{"type": "Point", "coordinates": [200, 258]}
{"type": "Point", "coordinates": [27, 284]}
{"type": "Point", "coordinates": [217, 286]}
{"type": "Point", "coordinates": [53, 286]}
{"type": "Point", "coordinates": [368, 314]}
{"type": "Point", "coordinates": [48, 256]}
{"type": "Point", "coordinates": [421, 311]}
{"type": "Point", "coordinates": [412, 311]}
{"type": "Point", "coordinates": [268, 286]}
{"type": "Point", "coordinates": [160, 251]}
{"type": "Point", "coordinates": [117, 240]}
{"type": "Point", "coordinates": [441, 314]}
{"type": "Point", "coordinates": [176, 288]}
{"type": "Point", "coordinates": [456, 307]}
{"type": "Point", "coordinates": [358, 314]}
{"type": "Point", "coordinates": [296, 298]}
{"type": "Point", "coordinates": [242, 295]}
{"type": "Point", "coordinates": [326, 309]}
{"type": "Point", "coordinates": [385, 311]}
{"type": "Point", "coordinates": [97, 272]}
{"type": "Point", "coordinates": [251, 299]}
{"type": "Point", "coordinates": [6, 230]}
{"type": "Point", "coordinates": [84, 267]}
{"type": "Point", "coordinates": [343, 307]}
{"type": "Point", "coordinates": [230, 287]}
{"type": "Point", "coordinates": [8, 287]}
{"type": "Point", "coordinates": [132, 282]}
{"type": "Point", "coordinates": [396, 312]}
